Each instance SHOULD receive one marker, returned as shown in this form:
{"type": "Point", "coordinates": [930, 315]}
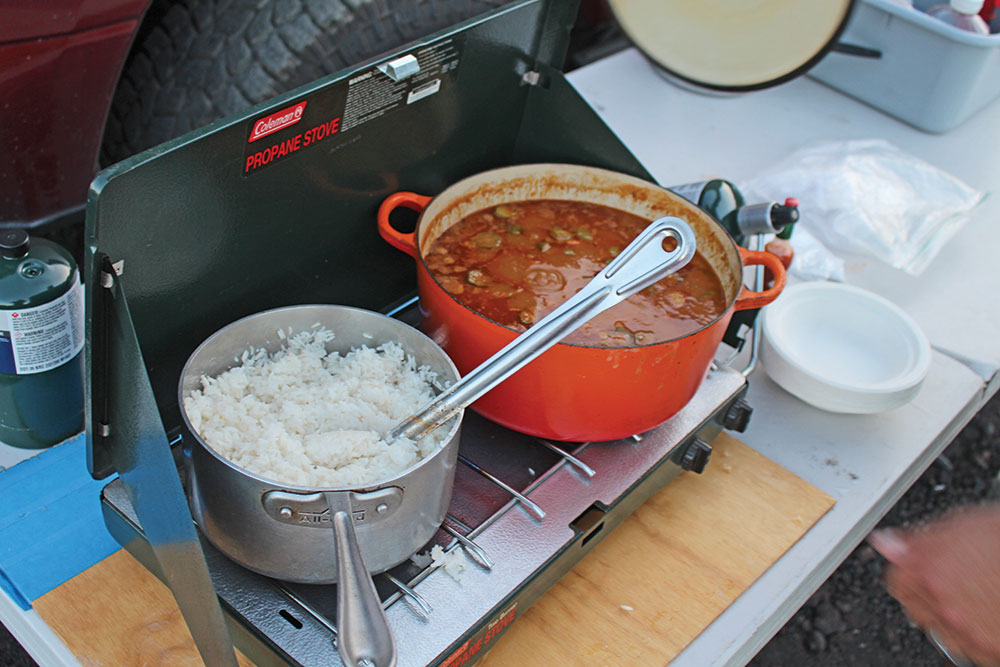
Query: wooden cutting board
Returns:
{"type": "Point", "coordinates": [638, 598]}
{"type": "Point", "coordinates": [671, 568]}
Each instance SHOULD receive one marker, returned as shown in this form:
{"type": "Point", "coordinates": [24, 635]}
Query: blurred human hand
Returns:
{"type": "Point", "coordinates": [946, 575]}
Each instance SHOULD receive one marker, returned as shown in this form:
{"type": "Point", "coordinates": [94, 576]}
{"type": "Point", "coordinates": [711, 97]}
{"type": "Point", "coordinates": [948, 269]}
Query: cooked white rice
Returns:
{"type": "Point", "coordinates": [304, 417]}
{"type": "Point", "coordinates": [452, 561]}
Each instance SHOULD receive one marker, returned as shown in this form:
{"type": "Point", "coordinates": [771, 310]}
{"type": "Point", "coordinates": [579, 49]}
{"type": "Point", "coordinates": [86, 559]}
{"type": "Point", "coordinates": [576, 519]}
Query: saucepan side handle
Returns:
{"type": "Point", "coordinates": [407, 242]}
{"type": "Point", "coordinates": [364, 638]}
{"type": "Point", "coordinates": [749, 299]}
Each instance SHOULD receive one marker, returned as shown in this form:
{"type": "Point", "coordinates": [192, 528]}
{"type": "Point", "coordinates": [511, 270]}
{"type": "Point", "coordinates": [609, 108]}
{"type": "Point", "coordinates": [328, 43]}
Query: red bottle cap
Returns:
{"type": "Point", "coordinates": [989, 10]}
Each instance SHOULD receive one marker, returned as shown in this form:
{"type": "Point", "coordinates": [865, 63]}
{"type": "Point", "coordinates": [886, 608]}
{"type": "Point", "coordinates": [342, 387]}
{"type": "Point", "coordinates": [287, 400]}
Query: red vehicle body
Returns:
{"type": "Point", "coordinates": [59, 65]}
{"type": "Point", "coordinates": [84, 82]}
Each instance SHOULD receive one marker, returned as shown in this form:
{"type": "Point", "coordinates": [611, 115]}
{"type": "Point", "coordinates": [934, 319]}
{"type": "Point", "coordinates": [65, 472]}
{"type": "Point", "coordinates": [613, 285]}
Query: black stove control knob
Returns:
{"type": "Point", "coordinates": [737, 416]}
{"type": "Point", "coordinates": [695, 456]}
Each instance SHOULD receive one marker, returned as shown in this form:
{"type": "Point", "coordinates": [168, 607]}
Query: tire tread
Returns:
{"type": "Point", "coordinates": [200, 60]}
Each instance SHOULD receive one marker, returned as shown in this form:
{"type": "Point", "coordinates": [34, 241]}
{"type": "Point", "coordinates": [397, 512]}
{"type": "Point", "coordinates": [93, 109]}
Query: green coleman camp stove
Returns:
{"type": "Point", "coordinates": [276, 207]}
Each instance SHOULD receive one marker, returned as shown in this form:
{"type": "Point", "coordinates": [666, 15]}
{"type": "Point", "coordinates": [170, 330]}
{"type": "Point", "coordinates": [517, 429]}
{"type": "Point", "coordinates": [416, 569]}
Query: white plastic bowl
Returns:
{"type": "Point", "coordinates": [842, 348]}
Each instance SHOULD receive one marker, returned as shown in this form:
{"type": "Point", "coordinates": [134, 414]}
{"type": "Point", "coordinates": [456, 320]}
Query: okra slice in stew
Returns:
{"type": "Point", "coordinates": [560, 234]}
{"type": "Point", "coordinates": [477, 278]}
{"type": "Point", "coordinates": [486, 240]}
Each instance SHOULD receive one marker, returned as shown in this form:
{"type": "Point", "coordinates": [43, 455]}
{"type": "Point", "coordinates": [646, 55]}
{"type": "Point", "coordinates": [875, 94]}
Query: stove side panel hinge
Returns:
{"type": "Point", "coordinates": [531, 78]}
{"type": "Point", "coordinates": [99, 455]}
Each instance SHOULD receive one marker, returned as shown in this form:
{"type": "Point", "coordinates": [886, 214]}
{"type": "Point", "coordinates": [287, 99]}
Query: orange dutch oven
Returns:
{"type": "Point", "coordinates": [575, 392]}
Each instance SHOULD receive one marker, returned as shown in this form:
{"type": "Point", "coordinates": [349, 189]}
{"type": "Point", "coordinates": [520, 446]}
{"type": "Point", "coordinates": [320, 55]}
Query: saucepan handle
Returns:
{"type": "Point", "coordinates": [364, 638]}
{"type": "Point", "coordinates": [748, 298]}
{"type": "Point", "coordinates": [407, 242]}
{"type": "Point", "coordinates": [955, 658]}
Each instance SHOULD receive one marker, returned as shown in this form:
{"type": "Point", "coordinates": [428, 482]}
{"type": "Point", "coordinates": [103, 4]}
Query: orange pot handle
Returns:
{"type": "Point", "coordinates": [749, 299]}
{"type": "Point", "coordinates": [405, 242]}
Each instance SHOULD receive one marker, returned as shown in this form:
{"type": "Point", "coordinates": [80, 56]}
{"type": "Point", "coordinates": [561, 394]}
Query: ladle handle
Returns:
{"type": "Point", "coordinates": [642, 263]}
{"type": "Point", "coordinates": [364, 638]}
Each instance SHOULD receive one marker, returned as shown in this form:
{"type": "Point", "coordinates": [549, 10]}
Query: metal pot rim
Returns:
{"type": "Point", "coordinates": [451, 425]}
{"type": "Point", "coordinates": [541, 168]}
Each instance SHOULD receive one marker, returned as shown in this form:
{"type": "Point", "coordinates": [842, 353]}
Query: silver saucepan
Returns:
{"type": "Point", "coordinates": [284, 531]}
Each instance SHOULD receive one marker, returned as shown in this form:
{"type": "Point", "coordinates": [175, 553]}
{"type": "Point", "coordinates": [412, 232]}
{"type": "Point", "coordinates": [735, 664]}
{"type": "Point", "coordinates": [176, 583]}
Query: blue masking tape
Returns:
{"type": "Point", "coordinates": [51, 527]}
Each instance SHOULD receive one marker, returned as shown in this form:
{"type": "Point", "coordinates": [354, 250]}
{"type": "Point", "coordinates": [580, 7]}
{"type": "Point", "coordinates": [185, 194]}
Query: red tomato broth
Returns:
{"type": "Point", "coordinates": [516, 262]}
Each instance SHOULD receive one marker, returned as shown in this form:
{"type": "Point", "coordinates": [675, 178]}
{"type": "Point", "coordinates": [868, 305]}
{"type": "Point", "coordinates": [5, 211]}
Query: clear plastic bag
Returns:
{"type": "Point", "coordinates": [813, 261]}
{"type": "Point", "coordinates": [868, 197]}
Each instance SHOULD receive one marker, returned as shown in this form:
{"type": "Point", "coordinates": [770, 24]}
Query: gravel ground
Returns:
{"type": "Point", "coordinates": [11, 653]}
{"type": "Point", "coordinates": [850, 620]}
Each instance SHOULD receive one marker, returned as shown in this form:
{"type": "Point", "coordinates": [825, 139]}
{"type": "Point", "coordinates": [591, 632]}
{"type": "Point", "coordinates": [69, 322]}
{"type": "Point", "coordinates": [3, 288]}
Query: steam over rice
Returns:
{"type": "Point", "coordinates": [304, 417]}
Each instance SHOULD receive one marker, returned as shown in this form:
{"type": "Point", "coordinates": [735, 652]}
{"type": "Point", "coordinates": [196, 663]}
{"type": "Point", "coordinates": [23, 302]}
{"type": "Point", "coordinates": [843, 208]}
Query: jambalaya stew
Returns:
{"type": "Point", "coordinates": [515, 263]}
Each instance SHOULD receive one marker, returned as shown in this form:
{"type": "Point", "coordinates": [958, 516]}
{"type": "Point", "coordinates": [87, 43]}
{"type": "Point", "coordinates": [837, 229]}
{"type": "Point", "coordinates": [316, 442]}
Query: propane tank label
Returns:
{"type": "Point", "coordinates": [35, 340]}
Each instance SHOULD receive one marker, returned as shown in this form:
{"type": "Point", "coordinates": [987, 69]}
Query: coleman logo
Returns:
{"type": "Point", "coordinates": [290, 145]}
{"type": "Point", "coordinates": [279, 120]}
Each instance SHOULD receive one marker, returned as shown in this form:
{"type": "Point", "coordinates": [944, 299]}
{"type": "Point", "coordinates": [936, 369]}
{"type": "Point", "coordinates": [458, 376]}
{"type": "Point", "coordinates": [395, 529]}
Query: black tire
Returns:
{"type": "Point", "coordinates": [195, 61]}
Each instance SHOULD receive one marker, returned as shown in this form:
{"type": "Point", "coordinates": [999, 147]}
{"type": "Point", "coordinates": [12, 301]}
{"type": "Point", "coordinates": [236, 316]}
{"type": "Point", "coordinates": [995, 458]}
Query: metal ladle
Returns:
{"type": "Point", "coordinates": [364, 638]}
{"type": "Point", "coordinates": [643, 262]}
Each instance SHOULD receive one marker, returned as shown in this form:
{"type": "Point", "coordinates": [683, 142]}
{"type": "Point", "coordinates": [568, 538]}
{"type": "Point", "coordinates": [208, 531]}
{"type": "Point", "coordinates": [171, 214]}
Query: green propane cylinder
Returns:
{"type": "Point", "coordinates": [41, 338]}
{"type": "Point", "coordinates": [726, 203]}
{"type": "Point", "coordinates": [719, 197]}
